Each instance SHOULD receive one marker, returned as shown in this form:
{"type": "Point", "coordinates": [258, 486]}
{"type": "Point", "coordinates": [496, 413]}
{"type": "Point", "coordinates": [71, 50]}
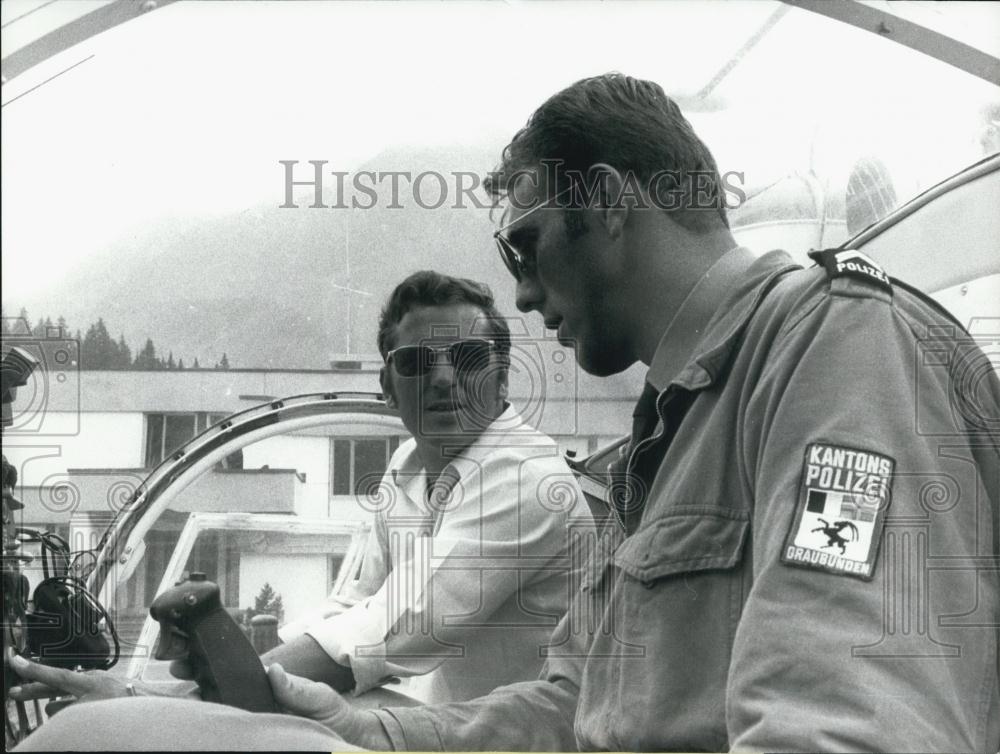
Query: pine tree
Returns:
{"type": "Point", "coordinates": [63, 329]}
{"type": "Point", "coordinates": [146, 358]}
{"type": "Point", "coordinates": [170, 361]}
{"type": "Point", "coordinates": [99, 351]}
{"type": "Point", "coordinates": [224, 364]}
{"type": "Point", "coordinates": [263, 600]}
{"type": "Point", "coordinates": [196, 365]}
{"type": "Point", "coordinates": [88, 349]}
{"type": "Point", "coordinates": [22, 326]}
{"type": "Point", "coordinates": [107, 350]}
{"type": "Point", "coordinates": [267, 601]}
{"type": "Point", "coordinates": [180, 365]}
{"type": "Point", "coordinates": [124, 353]}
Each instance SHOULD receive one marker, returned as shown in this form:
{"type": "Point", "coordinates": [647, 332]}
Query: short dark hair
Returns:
{"type": "Point", "coordinates": [430, 288]}
{"type": "Point", "coordinates": [625, 122]}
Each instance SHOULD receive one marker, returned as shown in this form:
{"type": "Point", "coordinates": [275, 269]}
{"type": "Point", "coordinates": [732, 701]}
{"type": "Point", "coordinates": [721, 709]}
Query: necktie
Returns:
{"type": "Point", "coordinates": [439, 495]}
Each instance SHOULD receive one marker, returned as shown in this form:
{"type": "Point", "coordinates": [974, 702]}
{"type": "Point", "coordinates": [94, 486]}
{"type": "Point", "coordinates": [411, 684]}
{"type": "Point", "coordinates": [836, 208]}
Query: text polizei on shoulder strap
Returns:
{"type": "Point", "coordinates": [851, 263]}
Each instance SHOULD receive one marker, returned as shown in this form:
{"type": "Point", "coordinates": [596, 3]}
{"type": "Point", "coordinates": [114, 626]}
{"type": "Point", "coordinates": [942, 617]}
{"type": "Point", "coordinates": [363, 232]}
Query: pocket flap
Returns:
{"type": "Point", "coordinates": [688, 538]}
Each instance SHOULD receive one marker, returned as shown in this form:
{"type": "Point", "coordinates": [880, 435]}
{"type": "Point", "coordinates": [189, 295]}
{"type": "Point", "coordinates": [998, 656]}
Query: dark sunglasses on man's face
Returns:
{"type": "Point", "coordinates": [515, 263]}
{"type": "Point", "coordinates": [470, 355]}
{"type": "Point", "coordinates": [514, 260]}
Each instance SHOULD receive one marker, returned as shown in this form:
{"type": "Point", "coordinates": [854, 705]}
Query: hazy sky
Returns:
{"type": "Point", "coordinates": [186, 111]}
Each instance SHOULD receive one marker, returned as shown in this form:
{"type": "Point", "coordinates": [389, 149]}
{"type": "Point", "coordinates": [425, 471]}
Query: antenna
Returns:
{"type": "Point", "coordinates": [350, 291]}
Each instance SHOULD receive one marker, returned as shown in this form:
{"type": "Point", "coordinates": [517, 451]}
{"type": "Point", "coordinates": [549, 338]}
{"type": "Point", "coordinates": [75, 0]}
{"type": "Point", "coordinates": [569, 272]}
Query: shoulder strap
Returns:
{"type": "Point", "coordinates": [852, 263]}
{"type": "Point", "coordinates": [857, 264]}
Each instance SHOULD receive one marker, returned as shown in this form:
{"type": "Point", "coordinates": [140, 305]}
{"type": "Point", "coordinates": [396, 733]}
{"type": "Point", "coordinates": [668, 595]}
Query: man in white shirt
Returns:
{"type": "Point", "coordinates": [476, 541]}
{"type": "Point", "coordinates": [467, 569]}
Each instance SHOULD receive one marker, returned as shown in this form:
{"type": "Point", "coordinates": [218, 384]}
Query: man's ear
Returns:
{"type": "Point", "coordinates": [388, 391]}
{"type": "Point", "coordinates": [614, 196]}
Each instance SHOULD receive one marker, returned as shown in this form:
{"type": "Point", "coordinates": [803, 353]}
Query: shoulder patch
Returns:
{"type": "Point", "coordinates": [851, 263]}
{"type": "Point", "coordinates": [840, 511]}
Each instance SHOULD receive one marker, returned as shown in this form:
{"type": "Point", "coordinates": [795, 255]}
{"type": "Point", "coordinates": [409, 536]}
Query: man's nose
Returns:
{"type": "Point", "coordinates": [528, 295]}
{"type": "Point", "coordinates": [442, 371]}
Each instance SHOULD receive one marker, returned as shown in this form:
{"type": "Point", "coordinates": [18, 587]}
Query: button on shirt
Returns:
{"type": "Point", "coordinates": [466, 581]}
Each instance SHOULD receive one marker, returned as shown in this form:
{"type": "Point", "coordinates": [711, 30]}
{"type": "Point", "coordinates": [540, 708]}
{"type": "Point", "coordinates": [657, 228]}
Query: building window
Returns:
{"type": "Point", "coordinates": [166, 433]}
{"type": "Point", "coordinates": [357, 461]}
{"type": "Point", "coordinates": [214, 553]}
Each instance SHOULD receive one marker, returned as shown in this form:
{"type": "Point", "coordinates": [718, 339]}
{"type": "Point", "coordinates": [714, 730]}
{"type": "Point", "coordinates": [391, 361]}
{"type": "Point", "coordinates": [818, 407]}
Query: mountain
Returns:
{"type": "Point", "coordinates": [261, 285]}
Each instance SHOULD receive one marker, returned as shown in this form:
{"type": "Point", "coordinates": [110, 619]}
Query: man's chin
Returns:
{"type": "Point", "coordinates": [601, 362]}
{"type": "Point", "coordinates": [450, 425]}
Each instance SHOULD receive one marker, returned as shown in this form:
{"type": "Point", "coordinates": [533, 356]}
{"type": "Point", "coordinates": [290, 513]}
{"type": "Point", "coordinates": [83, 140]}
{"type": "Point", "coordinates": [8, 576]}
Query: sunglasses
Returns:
{"type": "Point", "coordinates": [466, 356]}
{"type": "Point", "coordinates": [515, 261]}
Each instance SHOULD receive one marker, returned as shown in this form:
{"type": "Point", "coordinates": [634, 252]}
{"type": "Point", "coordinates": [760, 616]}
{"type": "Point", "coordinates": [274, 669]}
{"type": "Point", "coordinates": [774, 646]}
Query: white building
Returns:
{"type": "Point", "coordinates": [83, 441]}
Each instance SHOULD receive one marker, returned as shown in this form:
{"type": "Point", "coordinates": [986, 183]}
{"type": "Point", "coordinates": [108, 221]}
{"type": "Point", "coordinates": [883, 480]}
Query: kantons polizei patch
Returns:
{"type": "Point", "coordinates": [851, 263]}
{"type": "Point", "coordinates": [839, 516]}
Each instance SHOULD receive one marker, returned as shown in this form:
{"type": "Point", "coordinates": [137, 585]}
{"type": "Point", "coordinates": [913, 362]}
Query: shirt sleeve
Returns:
{"type": "Point", "coordinates": [901, 659]}
{"type": "Point", "coordinates": [496, 534]}
{"type": "Point", "coordinates": [531, 716]}
{"type": "Point", "coordinates": [373, 572]}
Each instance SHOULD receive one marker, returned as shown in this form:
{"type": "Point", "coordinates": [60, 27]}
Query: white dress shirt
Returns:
{"type": "Point", "coordinates": [463, 584]}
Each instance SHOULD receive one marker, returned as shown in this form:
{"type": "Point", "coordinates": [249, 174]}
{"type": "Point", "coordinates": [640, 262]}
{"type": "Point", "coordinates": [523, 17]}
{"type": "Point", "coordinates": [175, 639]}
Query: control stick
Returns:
{"type": "Point", "coordinates": [195, 626]}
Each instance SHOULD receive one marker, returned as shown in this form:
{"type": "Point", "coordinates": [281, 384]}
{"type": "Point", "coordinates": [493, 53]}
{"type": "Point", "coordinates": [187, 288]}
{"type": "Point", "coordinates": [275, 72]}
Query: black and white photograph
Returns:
{"type": "Point", "coordinates": [500, 375]}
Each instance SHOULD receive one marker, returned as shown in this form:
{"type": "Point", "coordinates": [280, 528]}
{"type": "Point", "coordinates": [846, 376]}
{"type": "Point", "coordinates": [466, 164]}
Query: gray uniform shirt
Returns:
{"type": "Point", "coordinates": [730, 617]}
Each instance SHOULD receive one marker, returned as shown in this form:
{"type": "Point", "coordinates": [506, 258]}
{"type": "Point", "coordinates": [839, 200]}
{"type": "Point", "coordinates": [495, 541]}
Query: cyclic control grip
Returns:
{"type": "Point", "coordinates": [195, 626]}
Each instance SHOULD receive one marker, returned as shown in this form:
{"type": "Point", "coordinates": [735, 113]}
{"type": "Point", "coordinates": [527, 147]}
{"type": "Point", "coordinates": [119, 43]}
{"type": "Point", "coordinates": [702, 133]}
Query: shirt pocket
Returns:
{"type": "Point", "coordinates": [687, 539]}
{"type": "Point", "coordinates": [680, 589]}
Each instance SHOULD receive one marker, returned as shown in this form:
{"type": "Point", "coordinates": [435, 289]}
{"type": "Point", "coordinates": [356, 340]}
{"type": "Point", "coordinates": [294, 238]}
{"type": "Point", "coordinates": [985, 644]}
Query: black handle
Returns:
{"type": "Point", "coordinates": [195, 625]}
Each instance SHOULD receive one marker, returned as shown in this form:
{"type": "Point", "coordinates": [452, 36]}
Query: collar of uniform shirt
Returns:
{"type": "Point", "coordinates": [688, 326]}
